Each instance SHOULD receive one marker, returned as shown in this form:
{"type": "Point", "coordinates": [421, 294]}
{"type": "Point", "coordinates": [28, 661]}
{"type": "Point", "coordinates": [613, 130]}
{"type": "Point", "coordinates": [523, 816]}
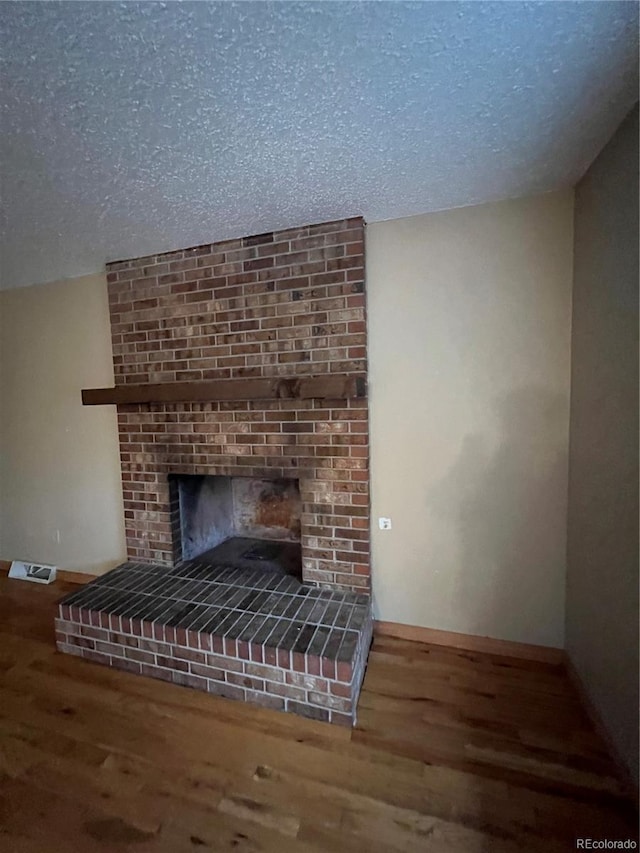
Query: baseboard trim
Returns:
{"type": "Point", "coordinates": [75, 577]}
{"type": "Point", "coordinates": [600, 727]}
{"type": "Point", "coordinates": [470, 642]}
{"type": "Point", "coordinates": [61, 574]}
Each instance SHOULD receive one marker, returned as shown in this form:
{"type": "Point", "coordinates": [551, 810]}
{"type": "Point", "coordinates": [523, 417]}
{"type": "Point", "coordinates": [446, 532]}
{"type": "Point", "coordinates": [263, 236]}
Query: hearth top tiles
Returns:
{"type": "Point", "coordinates": [260, 607]}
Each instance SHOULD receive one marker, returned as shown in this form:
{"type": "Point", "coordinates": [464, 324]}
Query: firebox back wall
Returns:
{"type": "Point", "coordinates": [282, 304]}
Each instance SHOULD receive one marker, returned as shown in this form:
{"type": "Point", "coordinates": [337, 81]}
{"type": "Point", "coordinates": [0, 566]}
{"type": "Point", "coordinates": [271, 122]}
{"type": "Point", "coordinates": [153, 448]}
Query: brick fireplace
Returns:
{"type": "Point", "coordinates": [290, 303]}
{"type": "Point", "coordinates": [283, 307]}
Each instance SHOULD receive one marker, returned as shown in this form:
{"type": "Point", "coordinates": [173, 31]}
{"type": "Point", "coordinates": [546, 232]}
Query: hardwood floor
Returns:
{"type": "Point", "coordinates": [454, 751]}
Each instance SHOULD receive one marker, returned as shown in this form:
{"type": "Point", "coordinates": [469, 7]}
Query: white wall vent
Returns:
{"type": "Point", "coordinates": [36, 572]}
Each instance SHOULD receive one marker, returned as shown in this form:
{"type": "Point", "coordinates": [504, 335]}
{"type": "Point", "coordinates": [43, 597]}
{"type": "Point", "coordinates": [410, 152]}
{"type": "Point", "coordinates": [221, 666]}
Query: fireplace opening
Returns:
{"type": "Point", "coordinates": [243, 522]}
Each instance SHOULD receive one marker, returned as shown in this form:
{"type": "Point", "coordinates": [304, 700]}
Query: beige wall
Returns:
{"type": "Point", "coordinates": [469, 345]}
{"type": "Point", "coordinates": [60, 494]}
{"type": "Point", "coordinates": [602, 584]}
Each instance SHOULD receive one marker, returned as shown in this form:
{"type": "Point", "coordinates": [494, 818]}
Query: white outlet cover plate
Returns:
{"type": "Point", "coordinates": [384, 523]}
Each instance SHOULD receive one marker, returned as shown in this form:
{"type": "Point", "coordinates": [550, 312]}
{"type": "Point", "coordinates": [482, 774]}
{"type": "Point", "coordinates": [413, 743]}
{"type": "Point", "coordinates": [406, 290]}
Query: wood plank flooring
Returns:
{"type": "Point", "coordinates": [454, 751]}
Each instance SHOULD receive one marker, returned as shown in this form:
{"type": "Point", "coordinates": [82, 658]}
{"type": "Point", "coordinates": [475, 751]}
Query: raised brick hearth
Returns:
{"type": "Point", "coordinates": [258, 636]}
{"type": "Point", "coordinates": [281, 307]}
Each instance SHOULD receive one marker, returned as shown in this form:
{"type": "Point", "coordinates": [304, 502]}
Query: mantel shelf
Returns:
{"type": "Point", "coordinates": [332, 386]}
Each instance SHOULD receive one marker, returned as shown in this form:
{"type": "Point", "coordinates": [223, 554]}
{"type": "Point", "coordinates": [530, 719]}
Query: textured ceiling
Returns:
{"type": "Point", "coordinates": [130, 128]}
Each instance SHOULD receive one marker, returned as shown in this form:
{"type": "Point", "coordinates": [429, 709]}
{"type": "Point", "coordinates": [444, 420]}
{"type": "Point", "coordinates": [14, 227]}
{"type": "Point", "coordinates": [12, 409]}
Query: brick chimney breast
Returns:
{"type": "Point", "coordinates": [283, 306]}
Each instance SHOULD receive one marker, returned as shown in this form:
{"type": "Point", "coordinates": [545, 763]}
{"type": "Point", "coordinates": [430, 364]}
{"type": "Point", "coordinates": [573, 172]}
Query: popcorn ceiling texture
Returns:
{"type": "Point", "coordinates": [129, 129]}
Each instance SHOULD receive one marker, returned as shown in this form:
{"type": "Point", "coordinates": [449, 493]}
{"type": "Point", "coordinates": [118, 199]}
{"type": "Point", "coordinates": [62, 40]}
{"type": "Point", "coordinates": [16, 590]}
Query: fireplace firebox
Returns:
{"type": "Point", "coordinates": [238, 521]}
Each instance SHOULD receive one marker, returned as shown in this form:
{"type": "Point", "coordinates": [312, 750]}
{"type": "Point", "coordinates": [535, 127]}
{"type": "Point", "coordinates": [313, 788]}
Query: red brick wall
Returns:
{"type": "Point", "coordinates": [275, 305]}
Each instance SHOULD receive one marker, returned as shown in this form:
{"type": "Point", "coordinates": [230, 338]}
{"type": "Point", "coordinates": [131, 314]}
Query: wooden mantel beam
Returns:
{"type": "Point", "coordinates": [332, 386]}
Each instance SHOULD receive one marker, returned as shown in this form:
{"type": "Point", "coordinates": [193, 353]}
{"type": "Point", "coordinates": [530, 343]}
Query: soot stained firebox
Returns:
{"type": "Point", "coordinates": [239, 521]}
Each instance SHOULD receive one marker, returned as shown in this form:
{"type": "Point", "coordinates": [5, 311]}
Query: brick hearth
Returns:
{"type": "Point", "coordinates": [257, 636]}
